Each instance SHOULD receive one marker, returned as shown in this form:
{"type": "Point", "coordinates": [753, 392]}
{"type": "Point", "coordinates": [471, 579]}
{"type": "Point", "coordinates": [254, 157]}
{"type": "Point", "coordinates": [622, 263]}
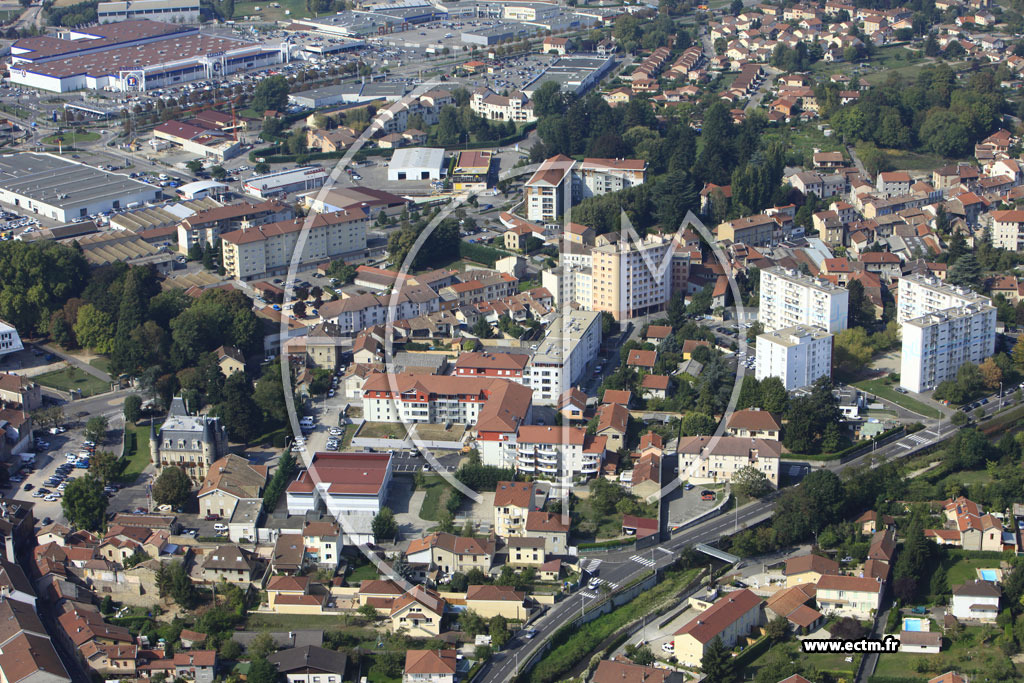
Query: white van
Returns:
{"type": "Point", "coordinates": [307, 421]}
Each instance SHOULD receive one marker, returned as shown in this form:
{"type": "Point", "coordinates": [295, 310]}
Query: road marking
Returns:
{"type": "Point", "coordinates": [645, 561]}
{"type": "Point", "coordinates": [588, 596]}
{"type": "Point", "coordinates": [591, 565]}
{"type": "Point", "coordinates": [610, 583]}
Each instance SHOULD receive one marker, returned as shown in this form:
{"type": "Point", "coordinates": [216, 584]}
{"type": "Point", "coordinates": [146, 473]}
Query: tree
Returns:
{"type": "Point", "coordinates": [271, 94]}
{"type": "Point", "coordinates": [84, 503]}
{"type": "Point", "coordinates": [261, 646]}
{"type": "Point", "coordinates": [194, 166]}
{"type": "Point", "coordinates": [238, 408]}
{"type": "Point", "coordinates": [750, 481]}
{"type": "Point", "coordinates": [472, 623]}
{"type": "Point", "coordinates": [262, 671]}
{"type": "Point", "coordinates": [369, 612]}
{"type": "Point", "coordinates": [261, 168]}
{"type": "Point", "coordinates": [132, 408]}
{"type": "Point", "coordinates": [498, 628]}
{"type": "Point", "coordinates": [445, 522]}
{"type": "Point", "coordinates": [774, 396]}
{"type": "Point", "coordinates": [468, 530]}
{"type": "Point", "coordinates": [106, 466]}
{"type": "Point", "coordinates": [716, 662]}
{"type": "Point", "coordinates": [218, 172]}
{"type": "Point", "coordinates": [965, 272]}
{"type": "Point", "coordinates": [94, 329]}
{"type": "Point", "coordinates": [777, 629]}
{"type": "Point", "coordinates": [991, 374]}
{"type": "Point", "coordinates": [96, 428]}
{"type": "Point", "coordinates": [384, 524]}
{"type": "Point", "coordinates": [698, 424]}
{"type": "Point", "coordinates": [172, 487]}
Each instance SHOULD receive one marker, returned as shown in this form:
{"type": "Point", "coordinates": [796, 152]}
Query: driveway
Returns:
{"type": "Point", "coordinates": [406, 504]}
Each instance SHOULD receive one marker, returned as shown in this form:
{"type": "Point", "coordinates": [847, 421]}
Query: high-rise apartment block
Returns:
{"type": "Point", "coordinates": [788, 298]}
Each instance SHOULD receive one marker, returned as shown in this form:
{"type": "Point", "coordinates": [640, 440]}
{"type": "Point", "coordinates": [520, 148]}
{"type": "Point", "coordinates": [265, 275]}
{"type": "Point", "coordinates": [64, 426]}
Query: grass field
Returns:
{"type": "Point", "coordinates": [804, 140]}
{"type": "Point", "coordinates": [361, 573]}
{"type": "Point", "coordinates": [438, 490]}
{"type": "Point", "coordinates": [291, 622]}
{"type": "Point", "coordinates": [72, 378]}
{"type": "Point", "coordinates": [974, 654]}
{"type": "Point", "coordinates": [885, 391]}
{"type": "Point", "coordinates": [71, 138]}
{"type": "Point", "coordinates": [966, 570]}
{"type": "Point", "coordinates": [137, 454]}
{"type": "Point", "coordinates": [832, 663]}
{"type": "Point", "coordinates": [439, 433]}
{"type": "Point", "coordinates": [383, 430]}
{"type": "Point", "coordinates": [101, 363]}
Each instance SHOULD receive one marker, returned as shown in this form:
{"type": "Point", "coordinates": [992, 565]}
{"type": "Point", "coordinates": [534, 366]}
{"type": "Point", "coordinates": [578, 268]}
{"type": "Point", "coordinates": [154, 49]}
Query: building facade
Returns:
{"type": "Point", "coordinates": [191, 442]}
{"type": "Point", "coordinates": [797, 355]}
{"type": "Point", "coordinates": [789, 298]}
{"type": "Point", "coordinates": [632, 279]}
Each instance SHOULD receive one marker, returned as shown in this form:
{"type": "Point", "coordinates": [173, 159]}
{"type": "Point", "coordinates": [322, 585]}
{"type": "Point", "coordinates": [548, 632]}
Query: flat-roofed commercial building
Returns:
{"type": "Point", "coordinates": [282, 183]}
{"type": "Point", "coordinates": [797, 355]}
{"type": "Point", "coordinates": [416, 163]}
{"type": "Point", "coordinates": [64, 190]}
{"type": "Point", "coordinates": [265, 250]}
{"type": "Point", "coordinates": [200, 140]}
{"type": "Point", "coordinates": [171, 11]}
{"type": "Point", "coordinates": [472, 170]}
{"type": "Point", "coordinates": [134, 55]}
{"type": "Point", "coordinates": [790, 298]}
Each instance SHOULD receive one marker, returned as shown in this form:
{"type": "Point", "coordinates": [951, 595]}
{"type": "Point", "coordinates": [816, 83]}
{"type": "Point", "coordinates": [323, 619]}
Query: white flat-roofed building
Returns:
{"type": "Point", "coordinates": [600, 176]}
{"type": "Point", "coordinates": [1008, 229]}
{"type": "Point", "coordinates": [788, 298]}
{"type": "Point", "coordinates": [10, 341]}
{"type": "Point", "coordinates": [573, 340]}
{"type": "Point", "coordinates": [921, 294]}
{"type": "Point", "coordinates": [285, 182]}
{"type": "Point", "coordinates": [344, 482]}
{"type": "Point", "coordinates": [943, 327]}
{"type": "Point", "coordinates": [936, 344]}
{"type": "Point", "coordinates": [61, 189]}
{"type": "Point", "coordinates": [171, 11]}
{"type": "Point", "coordinates": [416, 163]}
{"type": "Point", "coordinates": [797, 355]}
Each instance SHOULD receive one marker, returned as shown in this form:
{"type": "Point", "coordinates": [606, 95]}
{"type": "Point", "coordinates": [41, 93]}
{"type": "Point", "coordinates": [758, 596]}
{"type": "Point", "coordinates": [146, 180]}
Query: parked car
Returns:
{"type": "Point", "coordinates": [707, 495]}
{"type": "Point", "coordinates": [212, 518]}
{"type": "Point", "coordinates": [220, 528]}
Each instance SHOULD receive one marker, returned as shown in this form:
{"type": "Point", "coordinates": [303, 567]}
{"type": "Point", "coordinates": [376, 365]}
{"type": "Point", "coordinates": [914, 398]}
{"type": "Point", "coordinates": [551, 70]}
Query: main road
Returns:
{"type": "Point", "coordinates": [616, 569]}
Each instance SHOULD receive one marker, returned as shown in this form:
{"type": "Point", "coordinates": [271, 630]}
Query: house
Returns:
{"type": "Point", "coordinates": [228, 563]}
{"type": "Point", "coordinates": [656, 334]}
{"type": "Point", "coordinates": [196, 665]}
{"type": "Point", "coordinates": [20, 392]}
{"type": "Point", "coordinates": [489, 601]}
{"type": "Point", "coordinates": [921, 642]}
{"type": "Point", "coordinates": [796, 605]}
{"type": "Point", "coordinates": [614, 671]}
{"type": "Point", "coordinates": [623, 397]}
{"type": "Point", "coordinates": [612, 422]}
{"type": "Point", "coordinates": [556, 45]}
{"type": "Point", "coordinates": [976, 601]}
{"type": "Point", "coordinates": [550, 527]}
{"type": "Point", "coordinates": [980, 532]}
{"type": "Point", "coordinates": [851, 596]}
{"type": "Point", "coordinates": [322, 542]}
{"type": "Point", "coordinates": [948, 677]}
{"type": "Point", "coordinates": [869, 522]}
{"type": "Point", "coordinates": [754, 423]}
{"type": "Point", "coordinates": [526, 551]}
{"type": "Point", "coordinates": [691, 345]}
{"type": "Point", "coordinates": [110, 660]}
{"type": "Point", "coordinates": [288, 554]}
{"type": "Point", "coordinates": [731, 618]}
{"type": "Point", "coordinates": [29, 657]}
{"type": "Point", "coordinates": [513, 500]}
{"type": "Point", "coordinates": [230, 360]}
{"type": "Point", "coordinates": [572, 404]}
{"type": "Point", "coordinates": [654, 386]}
{"type": "Point", "coordinates": [418, 613]}
{"type": "Point", "coordinates": [644, 360]}
{"type": "Point", "coordinates": [310, 664]}
{"type": "Point", "coordinates": [429, 666]}
{"type": "Point", "coordinates": [646, 480]}
{"type": "Point", "coordinates": [709, 460]}
{"type": "Point", "coordinates": [451, 553]}
{"type": "Point", "coordinates": [808, 569]}
{"type": "Point", "coordinates": [229, 481]}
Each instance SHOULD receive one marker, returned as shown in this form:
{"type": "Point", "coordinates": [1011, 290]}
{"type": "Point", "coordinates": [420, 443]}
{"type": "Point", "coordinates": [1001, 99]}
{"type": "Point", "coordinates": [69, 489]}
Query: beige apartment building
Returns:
{"type": "Point", "coordinates": [754, 231]}
{"type": "Point", "coordinates": [265, 250]}
{"type": "Point", "coordinates": [632, 279]}
{"type": "Point", "coordinates": [599, 176]}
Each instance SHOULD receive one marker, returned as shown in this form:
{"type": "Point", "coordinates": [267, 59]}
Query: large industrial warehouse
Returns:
{"type": "Point", "coordinates": [65, 190]}
{"type": "Point", "coordinates": [133, 55]}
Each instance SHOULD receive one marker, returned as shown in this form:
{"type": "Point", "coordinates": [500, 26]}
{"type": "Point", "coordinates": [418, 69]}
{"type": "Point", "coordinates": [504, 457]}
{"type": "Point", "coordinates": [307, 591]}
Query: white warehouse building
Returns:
{"type": "Point", "coordinates": [281, 183]}
{"type": "Point", "coordinates": [797, 355]}
{"type": "Point", "coordinates": [417, 163]}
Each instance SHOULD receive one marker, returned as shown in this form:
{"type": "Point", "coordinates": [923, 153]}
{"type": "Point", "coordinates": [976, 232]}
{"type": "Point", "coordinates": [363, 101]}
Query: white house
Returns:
{"type": "Point", "coordinates": [976, 600]}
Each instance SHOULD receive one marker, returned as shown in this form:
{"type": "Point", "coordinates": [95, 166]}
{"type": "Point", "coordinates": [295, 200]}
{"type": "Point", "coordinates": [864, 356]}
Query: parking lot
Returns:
{"type": "Point", "coordinates": [42, 480]}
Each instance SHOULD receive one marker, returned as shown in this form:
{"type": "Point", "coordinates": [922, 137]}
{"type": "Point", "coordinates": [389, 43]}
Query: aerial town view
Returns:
{"type": "Point", "coordinates": [480, 341]}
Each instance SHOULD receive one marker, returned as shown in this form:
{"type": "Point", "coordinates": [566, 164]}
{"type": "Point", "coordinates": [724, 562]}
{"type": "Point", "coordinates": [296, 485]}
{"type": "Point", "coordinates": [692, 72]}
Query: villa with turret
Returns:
{"type": "Point", "coordinates": [192, 442]}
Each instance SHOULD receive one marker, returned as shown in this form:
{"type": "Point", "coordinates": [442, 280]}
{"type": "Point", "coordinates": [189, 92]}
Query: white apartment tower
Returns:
{"type": "Point", "coordinates": [789, 298]}
{"type": "Point", "coordinates": [572, 343]}
{"type": "Point", "coordinates": [943, 327]}
{"type": "Point", "coordinates": [797, 355]}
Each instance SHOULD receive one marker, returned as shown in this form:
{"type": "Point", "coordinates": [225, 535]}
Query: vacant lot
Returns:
{"type": "Point", "coordinates": [382, 430]}
{"type": "Point", "coordinates": [879, 388]}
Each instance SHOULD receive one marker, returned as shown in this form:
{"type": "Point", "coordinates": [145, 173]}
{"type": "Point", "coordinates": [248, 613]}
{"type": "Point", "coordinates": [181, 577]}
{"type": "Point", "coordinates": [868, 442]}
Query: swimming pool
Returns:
{"type": "Point", "coordinates": [915, 624]}
{"type": "Point", "coordinates": [989, 575]}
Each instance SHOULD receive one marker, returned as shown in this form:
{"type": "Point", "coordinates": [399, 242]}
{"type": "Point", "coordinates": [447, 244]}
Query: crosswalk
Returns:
{"type": "Point", "coordinates": [588, 595]}
{"type": "Point", "coordinates": [611, 584]}
{"type": "Point", "coordinates": [645, 561]}
{"type": "Point", "coordinates": [590, 565]}
{"type": "Point", "coordinates": [917, 440]}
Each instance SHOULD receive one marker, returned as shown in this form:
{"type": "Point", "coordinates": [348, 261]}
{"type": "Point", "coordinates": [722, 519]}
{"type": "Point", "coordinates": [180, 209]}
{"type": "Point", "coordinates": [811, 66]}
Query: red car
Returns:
{"type": "Point", "coordinates": [212, 518]}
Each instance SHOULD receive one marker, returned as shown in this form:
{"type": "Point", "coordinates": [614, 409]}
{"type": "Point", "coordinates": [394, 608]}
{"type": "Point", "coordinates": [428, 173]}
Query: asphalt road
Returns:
{"type": "Point", "coordinates": [621, 567]}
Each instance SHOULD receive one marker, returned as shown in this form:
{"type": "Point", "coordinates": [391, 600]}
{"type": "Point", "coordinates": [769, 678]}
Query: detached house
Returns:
{"type": "Point", "coordinates": [430, 666]}
{"type": "Point", "coordinates": [976, 601]}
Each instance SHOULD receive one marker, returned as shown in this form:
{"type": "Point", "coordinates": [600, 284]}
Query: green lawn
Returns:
{"type": "Point", "coordinates": [383, 430]}
{"type": "Point", "coordinates": [361, 573]}
{"type": "Point", "coordinates": [136, 453]}
{"type": "Point", "coordinates": [438, 490]}
{"type": "Point", "coordinates": [832, 663]}
{"type": "Point", "coordinates": [966, 570]}
{"type": "Point", "coordinates": [973, 654]}
{"type": "Point", "coordinates": [69, 138]}
{"type": "Point", "coordinates": [885, 391]}
{"type": "Point", "coordinates": [431, 432]}
{"type": "Point", "coordinates": [73, 378]}
{"type": "Point", "coordinates": [804, 140]}
{"type": "Point", "coordinates": [346, 438]}
{"type": "Point", "coordinates": [291, 622]}
{"type": "Point", "coordinates": [101, 363]}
